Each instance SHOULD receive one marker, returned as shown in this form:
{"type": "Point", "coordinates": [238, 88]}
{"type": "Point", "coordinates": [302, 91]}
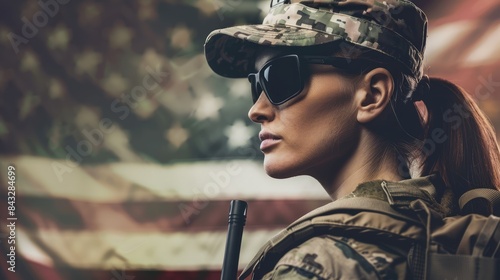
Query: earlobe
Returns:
{"type": "Point", "coordinates": [374, 94]}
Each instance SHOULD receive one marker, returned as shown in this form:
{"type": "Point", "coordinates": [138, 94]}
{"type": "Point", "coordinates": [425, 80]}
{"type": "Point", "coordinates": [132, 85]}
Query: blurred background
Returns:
{"type": "Point", "coordinates": [127, 149]}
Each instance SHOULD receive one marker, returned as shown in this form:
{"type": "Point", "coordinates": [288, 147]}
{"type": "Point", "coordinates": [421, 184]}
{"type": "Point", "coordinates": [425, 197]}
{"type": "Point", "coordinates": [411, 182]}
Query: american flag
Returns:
{"type": "Point", "coordinates": [127, 149]}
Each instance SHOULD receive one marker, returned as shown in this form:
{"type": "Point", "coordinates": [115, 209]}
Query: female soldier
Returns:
{"type": "Point", "coordinates": [334, 85]}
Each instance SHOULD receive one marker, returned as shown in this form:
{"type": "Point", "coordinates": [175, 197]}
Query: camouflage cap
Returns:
{"type": "Point", "coordinates": [396, 28]}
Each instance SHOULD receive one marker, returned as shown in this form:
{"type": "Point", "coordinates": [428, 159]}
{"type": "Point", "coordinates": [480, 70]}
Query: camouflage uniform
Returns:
{"type": "Point", "coordinates": [350, 253]}
{"type": "Point", "coordinates": [334, 257]}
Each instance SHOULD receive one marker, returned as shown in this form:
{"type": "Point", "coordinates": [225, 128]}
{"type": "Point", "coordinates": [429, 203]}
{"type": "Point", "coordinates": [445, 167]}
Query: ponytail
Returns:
{"type": "Point", "coordinates": [460, 142]}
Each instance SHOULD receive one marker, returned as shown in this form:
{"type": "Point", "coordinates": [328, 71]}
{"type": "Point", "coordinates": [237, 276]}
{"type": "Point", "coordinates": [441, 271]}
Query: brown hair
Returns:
{"type": "Point", "coordinates": [469, 156]}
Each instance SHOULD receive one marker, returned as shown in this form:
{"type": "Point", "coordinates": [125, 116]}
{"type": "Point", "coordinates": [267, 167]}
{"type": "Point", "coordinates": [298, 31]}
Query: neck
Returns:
{"type": "Point", "coordinates": [367, 163]}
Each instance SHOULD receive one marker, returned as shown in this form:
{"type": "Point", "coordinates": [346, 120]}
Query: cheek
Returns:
{"type": "Point", "coordinates": [320, 127]}
{"type": "Point", "coordinates": [331, 111]}
{"type": "Point", "coordinates": [331, 137]}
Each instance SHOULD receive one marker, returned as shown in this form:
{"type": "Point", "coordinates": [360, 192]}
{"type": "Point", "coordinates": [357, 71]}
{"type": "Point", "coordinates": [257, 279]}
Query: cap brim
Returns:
{"type": "Point", "coordinates": [230, 52]}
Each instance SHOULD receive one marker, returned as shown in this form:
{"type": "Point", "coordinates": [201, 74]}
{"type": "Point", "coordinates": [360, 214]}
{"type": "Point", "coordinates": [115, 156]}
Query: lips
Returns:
{"type": "Point", "coordinates": [268, 140]}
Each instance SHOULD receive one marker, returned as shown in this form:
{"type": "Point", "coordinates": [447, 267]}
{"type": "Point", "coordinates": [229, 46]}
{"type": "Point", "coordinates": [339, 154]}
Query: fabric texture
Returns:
{"type": "Point", "coordinates": [396, 28]}
{"type": "Point", "coordinates": [373, 246]}
{"type": "Point", "coordinates": [334, 257]}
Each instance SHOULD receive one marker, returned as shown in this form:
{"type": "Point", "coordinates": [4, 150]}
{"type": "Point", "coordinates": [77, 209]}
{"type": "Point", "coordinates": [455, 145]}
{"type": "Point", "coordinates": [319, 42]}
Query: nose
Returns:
{"type": "Point", "coordinates": [262, 110]}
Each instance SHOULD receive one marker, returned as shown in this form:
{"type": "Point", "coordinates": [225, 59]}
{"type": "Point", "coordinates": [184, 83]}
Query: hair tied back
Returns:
{"type": "Point", "coordinates": [422, 90]}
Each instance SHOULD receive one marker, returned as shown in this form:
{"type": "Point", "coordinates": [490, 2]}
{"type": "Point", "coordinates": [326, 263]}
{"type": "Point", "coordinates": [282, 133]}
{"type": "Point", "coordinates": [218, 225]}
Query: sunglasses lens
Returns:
{"type": "Point", "coordinates": [256, 89]}
{"type": "Point", "coordinates": [282, 79]}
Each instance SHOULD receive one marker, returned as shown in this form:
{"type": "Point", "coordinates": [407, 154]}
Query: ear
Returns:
{"type": "Point", "coordinates": [373, 94]}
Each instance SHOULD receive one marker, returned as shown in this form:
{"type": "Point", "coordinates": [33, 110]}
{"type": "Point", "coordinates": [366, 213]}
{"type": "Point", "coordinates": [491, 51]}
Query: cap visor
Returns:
{"type": "Point", "coordinates": [230, 51]}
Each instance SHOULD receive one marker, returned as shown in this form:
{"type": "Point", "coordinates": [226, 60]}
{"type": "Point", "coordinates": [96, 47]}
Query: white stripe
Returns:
{"type": "Point", "coordinates": [242, 179]}
{"type": "Point", "coordinates": [129, 251]}
{"type": "Point", "coordinates": [445, 38]}
{"type": "Point", "coordinates": [487, 50]}
{"type": "Point", "coordinates": [37, 176]}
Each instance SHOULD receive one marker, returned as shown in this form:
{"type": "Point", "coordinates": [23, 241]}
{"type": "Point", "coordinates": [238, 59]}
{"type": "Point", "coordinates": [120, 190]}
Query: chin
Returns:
{"type": "Point", "coordinates": [279, 169]}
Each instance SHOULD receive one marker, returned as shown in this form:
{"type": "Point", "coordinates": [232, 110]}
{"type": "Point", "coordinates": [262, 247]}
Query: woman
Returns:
{"type": "Point", "coordinates": [335, 85]}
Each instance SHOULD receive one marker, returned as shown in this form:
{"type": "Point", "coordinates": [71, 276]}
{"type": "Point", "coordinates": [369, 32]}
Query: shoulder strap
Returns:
{"type": "Point", "coordinates": [474, 200]}
{"type": "Point", "coordinates": [489, 234]}
{"type": "Point", "coordinates": [355, 203]}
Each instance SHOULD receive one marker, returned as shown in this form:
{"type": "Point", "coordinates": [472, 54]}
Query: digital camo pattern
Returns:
{"type": "Point", "coordinates": [330, 257]}
{"type": "Point", "coordinates": [365, 246]}
{"type": "Point", "coordinates": [395, 28]}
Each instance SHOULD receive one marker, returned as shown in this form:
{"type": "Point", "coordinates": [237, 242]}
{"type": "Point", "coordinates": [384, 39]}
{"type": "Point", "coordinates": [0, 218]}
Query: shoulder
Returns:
{"type": "Point", "coordinates": [331, 257]}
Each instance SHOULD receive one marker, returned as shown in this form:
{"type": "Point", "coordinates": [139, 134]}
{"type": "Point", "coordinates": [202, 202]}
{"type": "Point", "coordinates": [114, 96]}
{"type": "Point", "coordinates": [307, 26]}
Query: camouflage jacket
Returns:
{"type": "Point", "coordinates": [347, 254]}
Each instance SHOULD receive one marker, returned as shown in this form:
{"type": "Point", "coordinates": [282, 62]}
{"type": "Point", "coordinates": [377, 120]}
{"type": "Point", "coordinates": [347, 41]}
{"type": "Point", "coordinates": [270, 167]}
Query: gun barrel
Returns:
{"type": "Point", "coordinates": [237, 219]}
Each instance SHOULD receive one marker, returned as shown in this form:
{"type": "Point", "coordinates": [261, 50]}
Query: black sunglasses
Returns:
{"type": "Point", "coordinates": [283, 78]}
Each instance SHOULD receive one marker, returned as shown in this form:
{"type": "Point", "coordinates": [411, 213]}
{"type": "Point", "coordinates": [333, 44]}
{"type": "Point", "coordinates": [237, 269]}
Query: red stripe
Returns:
{"type": "Point", "coordinates": [26, 269]}
{"type": "Point", "coordinates": [38, 213]}
{"type": "Point", "coordinates": [460, 10]}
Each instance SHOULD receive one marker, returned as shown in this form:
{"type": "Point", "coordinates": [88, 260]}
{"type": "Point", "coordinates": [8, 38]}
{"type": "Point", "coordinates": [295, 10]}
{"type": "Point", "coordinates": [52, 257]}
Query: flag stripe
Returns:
{"type": "Point", "coordinates": [126, 251]}
{"type": "Point", "coordinates": [118, 182]}
{"type": "Point", "coordinates": [486, 50]}
{"type": "Point", "coordinates": [26, 269]}
{"type": "Point", "coordinates": [187, 216]}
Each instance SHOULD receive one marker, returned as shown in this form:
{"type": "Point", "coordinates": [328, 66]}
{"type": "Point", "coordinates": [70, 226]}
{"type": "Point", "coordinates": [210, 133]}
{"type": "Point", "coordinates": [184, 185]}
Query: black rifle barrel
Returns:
{"type": "Point", "coordinates": [237, 218]}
